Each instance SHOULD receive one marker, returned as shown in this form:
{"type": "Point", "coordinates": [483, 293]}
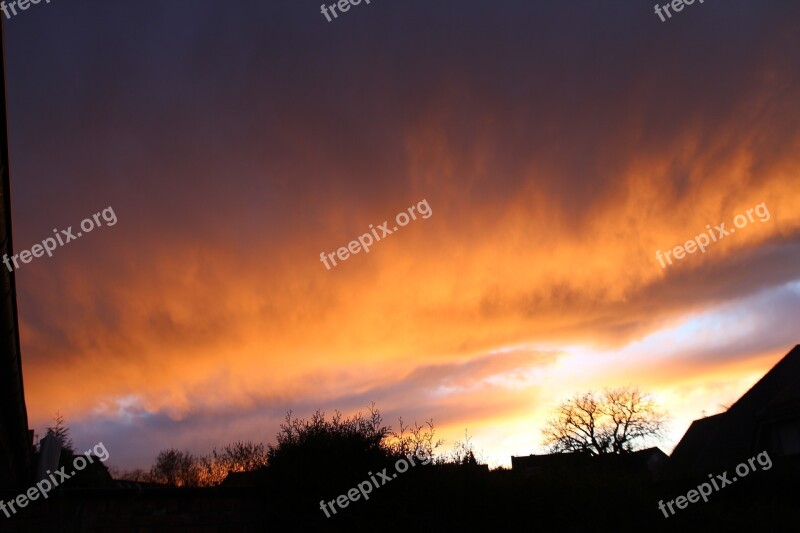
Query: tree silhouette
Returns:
{"type": "Point", "coordinates": [321, 454]}
{"type": "Point", "coordinates": [319, 451]}
{"type": "Point", "coordinates": [615, 421]}
{"type": "Point", "coordinates": [62, 433]}
{"type": "Point", "coordinates": [463, 453]}
{"type": "Point", "coordinates": [414, 440]}
{"type": "Point", "coordinates": [236, 457]}
{"type": "Point", "coordinates": [315, 452]}
{"type": "Point", "coordinates": [176, 468]}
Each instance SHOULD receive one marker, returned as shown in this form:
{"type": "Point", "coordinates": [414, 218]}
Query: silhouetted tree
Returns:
{"type": "Point", "coordinates": [236, 457]}
{"type": "Point", "coordinates": [177, 468]}
{"type": "Point", "coordinates": [242, 456]}
{"type": "Point", "coordinates": [62, 433]}
{"type": "Point", "coordinates": [414, 440]}
{"type": "Point", "coordinates": [616, 421]}
{"type": "Point", "coordinates": [323, 454]}
{"type": "Point", "coordinates": [463, 453]}
{"type": "Point", "coordinates": [322, 450]}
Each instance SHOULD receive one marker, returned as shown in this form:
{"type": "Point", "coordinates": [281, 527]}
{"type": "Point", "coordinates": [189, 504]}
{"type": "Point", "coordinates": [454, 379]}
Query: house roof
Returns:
{"type": "Point", "coordinates": [549, 459]}
{"type": "Point", "coordinates": [642, 460]}
{"type": "Point", "coordinates": [780, 384]}
{"type": "Point", "coordinates": [716, 443]}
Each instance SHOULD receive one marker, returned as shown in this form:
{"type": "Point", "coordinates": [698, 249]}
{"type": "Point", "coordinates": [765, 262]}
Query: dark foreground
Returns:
{"type": "Point", "coordinates": [424, 499]}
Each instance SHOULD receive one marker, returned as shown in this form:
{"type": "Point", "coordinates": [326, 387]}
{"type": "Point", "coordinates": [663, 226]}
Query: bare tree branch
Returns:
{"type": "Point", "coordinates": [615, 421]}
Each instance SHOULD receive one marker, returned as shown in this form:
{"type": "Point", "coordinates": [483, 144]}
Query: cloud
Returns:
{"type": "Point", "coordinates": [559, 147]}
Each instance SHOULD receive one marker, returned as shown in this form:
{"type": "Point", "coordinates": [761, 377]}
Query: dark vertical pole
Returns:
{"type": "Point", "coordinates": [15, 444]}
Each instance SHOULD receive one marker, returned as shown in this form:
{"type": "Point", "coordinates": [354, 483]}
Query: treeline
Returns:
{"type": "Point", "coordinates": [315, 446]}
{"type": "Point", "coordinates": [183, 469]}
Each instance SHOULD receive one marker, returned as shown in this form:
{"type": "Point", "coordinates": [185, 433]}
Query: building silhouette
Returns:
{"type": "Point", "coordinates": [645, 463]}
{"type": "Point", "coordinates": [766, 418]}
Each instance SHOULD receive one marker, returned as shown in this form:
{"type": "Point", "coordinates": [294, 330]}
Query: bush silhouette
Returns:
{"type": "Point", "coordinates": [323, 453]}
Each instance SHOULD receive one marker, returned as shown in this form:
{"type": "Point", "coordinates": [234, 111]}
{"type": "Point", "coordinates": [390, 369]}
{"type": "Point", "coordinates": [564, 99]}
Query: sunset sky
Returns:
{"type": "Point", "coordinates": [558, 144]}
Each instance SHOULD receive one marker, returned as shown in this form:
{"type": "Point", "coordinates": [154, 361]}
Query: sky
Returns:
{"type": "Point", "coordinates": [558, 146]}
